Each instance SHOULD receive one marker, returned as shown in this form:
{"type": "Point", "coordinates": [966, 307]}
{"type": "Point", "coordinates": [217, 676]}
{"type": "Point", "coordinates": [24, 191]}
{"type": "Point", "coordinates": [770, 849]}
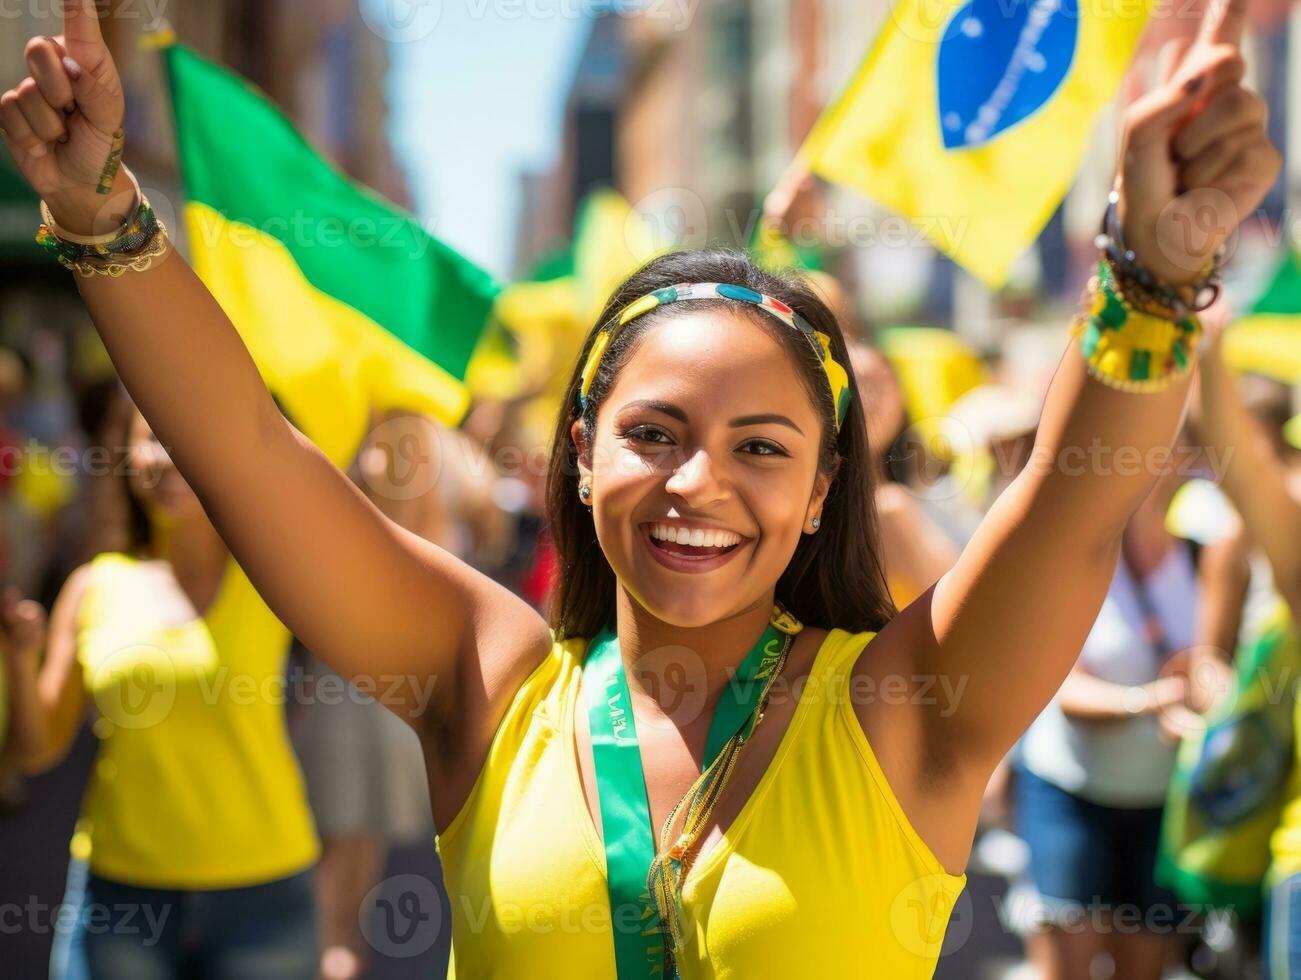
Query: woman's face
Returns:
{"type": "Point", "coordinates": [154, 479]}
{"type": "Point", "coordinates": [707, 430]}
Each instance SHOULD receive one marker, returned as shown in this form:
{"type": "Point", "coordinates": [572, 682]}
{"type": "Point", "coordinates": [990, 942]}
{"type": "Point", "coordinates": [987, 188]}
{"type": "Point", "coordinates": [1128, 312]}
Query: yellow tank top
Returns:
{"type": "Point", "coordinates": [195, 784]}
{"type": "Point", "coordinates": [820, 875]}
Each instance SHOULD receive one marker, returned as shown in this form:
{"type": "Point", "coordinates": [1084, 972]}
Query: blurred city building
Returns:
{"type": "Point", "coordinates": [698, 113]}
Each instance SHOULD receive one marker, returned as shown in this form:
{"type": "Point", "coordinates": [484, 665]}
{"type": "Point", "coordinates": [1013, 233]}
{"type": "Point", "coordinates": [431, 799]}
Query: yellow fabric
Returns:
{"type": "Point", "coordinates": [935, 368]}
{"type": "Point", "coordinates": [821, 875]}
{"type": "Point", "coordinates": [1266, 343]}
{"type": "Point", "coordinates": [40, 485]}
{"type": "Point", "coordinates": [195, 784]}
{"type": "Point", "coordinates": [1285, 842]}
{"type": "Point", "coordinates": [980, 204]}
{"type": "Point", "coordinates": [613, 241]}
{"type": "Point", "coordinates": [330, 377]}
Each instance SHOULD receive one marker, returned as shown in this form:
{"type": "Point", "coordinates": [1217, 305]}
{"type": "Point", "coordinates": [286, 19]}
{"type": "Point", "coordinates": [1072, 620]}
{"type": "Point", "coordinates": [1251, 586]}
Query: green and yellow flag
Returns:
{"type": "Point", "coordinates": [346, 303]}
{"type": "Point", "coordinates": [1268, 340]}
{"type": "Point", "coordinates": [970, 116]}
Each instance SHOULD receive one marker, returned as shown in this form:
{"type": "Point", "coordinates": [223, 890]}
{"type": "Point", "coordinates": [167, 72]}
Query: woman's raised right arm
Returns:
{"type": "Point", "coordinates": [378, 603]}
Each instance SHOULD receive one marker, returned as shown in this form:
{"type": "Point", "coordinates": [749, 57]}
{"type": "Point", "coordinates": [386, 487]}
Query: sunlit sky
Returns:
{"type": "Point", "coordinates": [477, 90]}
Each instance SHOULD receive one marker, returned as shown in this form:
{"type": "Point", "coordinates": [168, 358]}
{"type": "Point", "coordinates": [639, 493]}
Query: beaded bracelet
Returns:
{"type": "Point", "coordinates": [1130, 348]}
{"type": "Point", "coordinates": [1142, 288]}
{"type": "Point", "coordinates": [132, 247]}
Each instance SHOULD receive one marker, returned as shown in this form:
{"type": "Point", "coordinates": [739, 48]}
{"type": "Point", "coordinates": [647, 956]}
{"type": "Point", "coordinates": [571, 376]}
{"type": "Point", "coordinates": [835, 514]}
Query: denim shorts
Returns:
{"type": "Point", "coordinates": [1085, 857]}
{"type": "Point", "coordinates": [123, 932]}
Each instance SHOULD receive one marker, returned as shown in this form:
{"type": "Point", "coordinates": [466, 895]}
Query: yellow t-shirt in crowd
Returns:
{"type": "Point", "coordinates": [820, 875]}
{"type": "Point", "coordinates": [195, 784]}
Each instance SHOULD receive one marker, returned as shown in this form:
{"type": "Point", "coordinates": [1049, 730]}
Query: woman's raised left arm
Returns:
{"type": "Point", "coordinates": [1002, 629]}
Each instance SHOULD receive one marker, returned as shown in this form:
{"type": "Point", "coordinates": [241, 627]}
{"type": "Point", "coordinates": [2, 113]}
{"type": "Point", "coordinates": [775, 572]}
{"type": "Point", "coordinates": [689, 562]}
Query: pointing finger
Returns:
{"type": "Point", "coordinates": [81, 22]}
{"type": "Point", "coordinates": [1170, 57]}
{"type": "Point", "coordinates": [1224, 22]}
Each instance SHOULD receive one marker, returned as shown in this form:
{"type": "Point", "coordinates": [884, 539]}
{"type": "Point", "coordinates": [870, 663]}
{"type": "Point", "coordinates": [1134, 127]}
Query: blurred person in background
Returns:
{"type": "Point", "coordinates": [195, 814]}
{"type": "Point", "coordinates": [916, 551]}
{"type": "Point", "coordinates": [775, 473]}
{"type": "Point", "coordinates": [519, 448]}
{"type": "Point", "coordinates": [22, 637]}
{"type": "Point", "coordinates": [32, 493]}
{"type": "Point", "coordinates": [364, 768]}
{"type": "Point", "coordinates": [1094, 767]}
{"type": "Point", "coordinates": [1262, 477]}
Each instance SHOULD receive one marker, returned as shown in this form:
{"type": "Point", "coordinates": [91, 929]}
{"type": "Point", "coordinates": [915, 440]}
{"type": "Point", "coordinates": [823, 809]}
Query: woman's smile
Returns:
{"type": "Point", "coordinates": [691, 548]}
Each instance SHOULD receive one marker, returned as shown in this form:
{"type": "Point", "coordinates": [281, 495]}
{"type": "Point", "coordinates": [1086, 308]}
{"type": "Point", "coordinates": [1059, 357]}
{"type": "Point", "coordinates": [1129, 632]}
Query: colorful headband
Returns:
{"type": "Point", "coordinates": [837, 377]}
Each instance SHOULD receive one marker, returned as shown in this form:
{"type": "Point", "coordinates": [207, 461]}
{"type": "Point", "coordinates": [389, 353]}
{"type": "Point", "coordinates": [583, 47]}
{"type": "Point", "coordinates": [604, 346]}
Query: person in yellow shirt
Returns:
{"type": "Point", "coordinates": [702, 671]}
{"type": "Point", "coordinates": [195, 813]}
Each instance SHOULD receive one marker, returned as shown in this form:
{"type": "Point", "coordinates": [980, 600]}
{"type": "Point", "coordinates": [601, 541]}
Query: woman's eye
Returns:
{"type": "Point", "coordinates": [644, 434]}
{"type": "Point", "coordinates": [658, 437]}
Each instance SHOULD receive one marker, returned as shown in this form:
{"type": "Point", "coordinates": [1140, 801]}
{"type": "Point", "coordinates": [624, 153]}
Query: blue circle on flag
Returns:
{"type": "Point", "coordinates": [999, 62]}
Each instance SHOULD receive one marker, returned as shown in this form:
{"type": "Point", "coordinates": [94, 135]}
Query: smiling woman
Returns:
{"type": "Point", "coordinates": [833, 834]}
{"type": "Point", "coordinates": [705, 432]}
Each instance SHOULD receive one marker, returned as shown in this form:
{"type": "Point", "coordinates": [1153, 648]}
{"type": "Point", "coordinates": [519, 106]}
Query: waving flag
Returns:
{"type": "Point", "coordinates": [347, 304]}
{"type": "Point", "coordinates": [1268, 339]}
{"type": "Point", "coordinates": [970, 116]}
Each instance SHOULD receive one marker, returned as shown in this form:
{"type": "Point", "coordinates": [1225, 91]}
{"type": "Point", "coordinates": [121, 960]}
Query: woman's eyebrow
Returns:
{"type": "Point", "coordinates": [667, 408]}
{"type": "Point", "coordinates": [673, 411]}
{"type": "Point", "coordinates": [764, 419]}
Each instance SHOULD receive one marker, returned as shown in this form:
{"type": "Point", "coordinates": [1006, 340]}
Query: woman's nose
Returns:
{"type": "Point", "coordinates": [697, 480]}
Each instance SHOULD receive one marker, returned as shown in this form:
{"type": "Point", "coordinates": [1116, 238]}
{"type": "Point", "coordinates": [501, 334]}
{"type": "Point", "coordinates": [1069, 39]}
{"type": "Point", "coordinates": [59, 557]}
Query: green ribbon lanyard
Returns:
{"type": "Point", "coordinates": [621, 785]}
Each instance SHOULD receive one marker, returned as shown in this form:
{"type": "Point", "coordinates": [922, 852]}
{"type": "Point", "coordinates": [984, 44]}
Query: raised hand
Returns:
{"type": "Point", "coordinates": [1196, 159]}
{"type": "Point", "coordinates": [22, 626]}
{"type": "Point", "coordinates": [63, 122]}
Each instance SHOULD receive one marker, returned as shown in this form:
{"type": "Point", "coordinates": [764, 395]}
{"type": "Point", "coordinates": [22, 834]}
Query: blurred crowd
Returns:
{"type": "Point", "coordinates": [1076, 822]}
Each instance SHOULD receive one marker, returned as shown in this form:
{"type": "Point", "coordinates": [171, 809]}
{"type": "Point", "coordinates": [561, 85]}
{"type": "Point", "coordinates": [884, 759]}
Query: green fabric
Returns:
{"type": "Point", "coordinates": [348, 242]}
{"type": "Point", "coordinates": [1227, 789]}
{"type": "Point", "coordinates": [557, 264]}
{"type": "Point", "coordinates": [742, 693]}
{"type": "Point", "coordinates": [630, 846]}
{"type": "Point", "coordinates": [1283, 294]}
{"type": "Point", "coordinates": [625, 808]}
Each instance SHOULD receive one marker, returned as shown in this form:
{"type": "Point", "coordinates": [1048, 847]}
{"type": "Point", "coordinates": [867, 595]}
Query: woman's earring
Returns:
{"type": "Point", "coordinates": [817, 523]}
{"type": "Point", "coordinates": [585, 493]}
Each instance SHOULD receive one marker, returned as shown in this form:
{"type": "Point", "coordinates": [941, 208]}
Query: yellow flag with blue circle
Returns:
{"type": "Point", "coordinates": [970, 116]}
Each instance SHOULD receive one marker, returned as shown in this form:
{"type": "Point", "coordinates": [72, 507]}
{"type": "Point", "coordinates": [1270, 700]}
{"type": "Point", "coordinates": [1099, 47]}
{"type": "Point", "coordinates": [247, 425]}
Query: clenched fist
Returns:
{"type": "Point", "coordinates": [63, 123]}
{"type": "Point", "coordinates": [1196, 159]}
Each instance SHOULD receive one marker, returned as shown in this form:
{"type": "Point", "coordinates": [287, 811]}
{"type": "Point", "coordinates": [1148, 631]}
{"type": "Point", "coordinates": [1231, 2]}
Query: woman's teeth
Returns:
{"type": "Point", "coordinates": [694, 537]}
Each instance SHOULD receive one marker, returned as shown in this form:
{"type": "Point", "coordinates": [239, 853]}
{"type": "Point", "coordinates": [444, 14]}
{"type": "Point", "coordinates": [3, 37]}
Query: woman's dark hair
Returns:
{"type": "Point", "coordinates": [835, 578]}
{"type": "Point", "coordinates": [139, 529]}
